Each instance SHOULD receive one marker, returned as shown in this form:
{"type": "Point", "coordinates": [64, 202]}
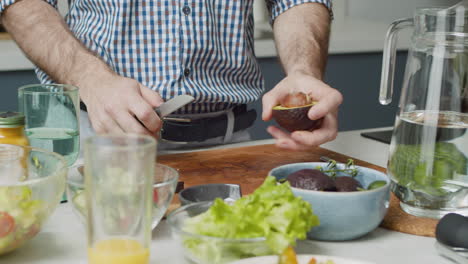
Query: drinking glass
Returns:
{"type": "Point", "coordinates": [52, 121]}
{"type": "Point", "coordinates": [119, 183]}
{"type": "Point", "coordinates": [164, 187]}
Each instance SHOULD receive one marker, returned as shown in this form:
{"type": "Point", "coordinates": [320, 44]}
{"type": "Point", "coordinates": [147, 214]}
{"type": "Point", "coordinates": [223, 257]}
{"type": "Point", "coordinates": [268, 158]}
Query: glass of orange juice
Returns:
{"type": "Point", "coordinates": [118, 189]}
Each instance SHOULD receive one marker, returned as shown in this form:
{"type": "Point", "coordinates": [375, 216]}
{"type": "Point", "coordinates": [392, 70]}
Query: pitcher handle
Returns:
{"type": "Point", "coordinates": [389, 58]}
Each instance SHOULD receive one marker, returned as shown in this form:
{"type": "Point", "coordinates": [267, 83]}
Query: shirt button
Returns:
{"type": "Point", "coordinates": [186, 10]}
{"type": "Point", "coordinates": [187, 72]}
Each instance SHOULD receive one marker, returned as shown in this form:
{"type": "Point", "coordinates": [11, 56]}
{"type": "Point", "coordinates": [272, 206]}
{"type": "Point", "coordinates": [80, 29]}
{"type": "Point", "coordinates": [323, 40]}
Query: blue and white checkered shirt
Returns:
{"type": "Point", "coordinates": [200, 47]}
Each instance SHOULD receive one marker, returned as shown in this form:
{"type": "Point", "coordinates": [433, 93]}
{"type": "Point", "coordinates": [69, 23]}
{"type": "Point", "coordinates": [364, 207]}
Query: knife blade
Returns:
{"type": "Point", "coordinates": [173, 104]}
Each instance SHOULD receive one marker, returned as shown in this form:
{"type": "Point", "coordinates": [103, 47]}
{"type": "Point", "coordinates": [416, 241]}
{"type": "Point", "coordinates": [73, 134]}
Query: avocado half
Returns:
{"type": "Point", "coordinates": [295, 118]}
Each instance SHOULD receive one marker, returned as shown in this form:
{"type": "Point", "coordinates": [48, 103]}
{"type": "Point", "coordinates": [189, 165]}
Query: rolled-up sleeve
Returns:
{"type": "Point", "coordinates": [6, 3]}
{"type": "Point", "coordinates": [277, 7]}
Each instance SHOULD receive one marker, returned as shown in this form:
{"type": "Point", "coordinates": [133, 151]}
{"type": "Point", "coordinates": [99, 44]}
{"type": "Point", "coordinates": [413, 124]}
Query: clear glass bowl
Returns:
{"type": "Point", "coordinates": [211, 250]}
{"type": "Point", "coordinates": [164, 187]}
{"type": "Point", "coordinates": [32, 182]}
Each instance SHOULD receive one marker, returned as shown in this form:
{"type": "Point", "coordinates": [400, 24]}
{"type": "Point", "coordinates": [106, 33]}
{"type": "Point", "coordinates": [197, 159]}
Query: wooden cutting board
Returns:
{"type": "Point", "coordinates": [5, 36]}
{"type": "Point", "coordinates": [248, 167]}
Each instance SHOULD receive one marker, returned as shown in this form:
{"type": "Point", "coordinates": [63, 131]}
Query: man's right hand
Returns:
{"type": "Point", "coordinates": [117, 104]}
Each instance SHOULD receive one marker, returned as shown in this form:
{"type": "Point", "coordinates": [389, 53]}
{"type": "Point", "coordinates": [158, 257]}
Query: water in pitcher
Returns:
{"type": "Point", "coordinates": [428, 162]}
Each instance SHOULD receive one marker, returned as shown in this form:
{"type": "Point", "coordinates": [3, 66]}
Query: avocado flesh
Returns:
{"type": "Point", "coordinates": [295, 118]}
{"type": "Point", "coordinates": [280, 107]}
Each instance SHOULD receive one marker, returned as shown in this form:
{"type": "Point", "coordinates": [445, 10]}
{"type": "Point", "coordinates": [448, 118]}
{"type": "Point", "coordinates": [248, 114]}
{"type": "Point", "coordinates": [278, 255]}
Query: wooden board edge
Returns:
{"type": "Point", "coordinates": [5, 36]}
{"type": "Point", "coordinates": [330, 154]}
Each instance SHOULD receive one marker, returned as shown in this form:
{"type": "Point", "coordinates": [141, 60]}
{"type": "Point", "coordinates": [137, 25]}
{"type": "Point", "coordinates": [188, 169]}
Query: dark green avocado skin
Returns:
{"type": "Point", "coordinates": [295, 119]}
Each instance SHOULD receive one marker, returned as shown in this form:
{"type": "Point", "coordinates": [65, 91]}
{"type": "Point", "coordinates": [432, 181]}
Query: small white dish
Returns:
{"type": "Point", "coordinates": [303, 259]}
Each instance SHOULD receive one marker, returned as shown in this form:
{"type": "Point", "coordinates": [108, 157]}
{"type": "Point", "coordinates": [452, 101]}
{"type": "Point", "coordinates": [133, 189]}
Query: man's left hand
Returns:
{"type": "Point", "coordinates": [328, 101]}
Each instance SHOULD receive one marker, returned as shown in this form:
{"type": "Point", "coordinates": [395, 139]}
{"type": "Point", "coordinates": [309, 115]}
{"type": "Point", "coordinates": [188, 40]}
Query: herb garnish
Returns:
{"type": "Point", "coordinates": [332, 169]}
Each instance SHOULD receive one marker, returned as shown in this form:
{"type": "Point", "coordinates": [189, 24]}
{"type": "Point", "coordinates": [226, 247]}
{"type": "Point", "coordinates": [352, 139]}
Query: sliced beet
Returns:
{"type": "Point", "coordinates": [347, 184]}
{"type": "Point", "coordinates": [311, 179]}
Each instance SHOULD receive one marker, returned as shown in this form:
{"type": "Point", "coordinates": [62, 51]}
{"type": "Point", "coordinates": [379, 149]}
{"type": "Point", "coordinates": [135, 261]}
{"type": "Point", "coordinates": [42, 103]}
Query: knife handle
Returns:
{"type": "Point", "coordinates": [452, 230]}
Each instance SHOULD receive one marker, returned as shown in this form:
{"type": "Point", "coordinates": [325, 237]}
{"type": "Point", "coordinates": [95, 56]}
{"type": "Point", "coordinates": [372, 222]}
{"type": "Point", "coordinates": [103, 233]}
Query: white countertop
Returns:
{"type": "Point", "coordinates": [349, 35]}
{"type": "Point", "coordinates": [63, 238]}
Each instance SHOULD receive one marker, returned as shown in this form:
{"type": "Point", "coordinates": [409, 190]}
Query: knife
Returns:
{"type": "Point", "coordinates": [172, 105]}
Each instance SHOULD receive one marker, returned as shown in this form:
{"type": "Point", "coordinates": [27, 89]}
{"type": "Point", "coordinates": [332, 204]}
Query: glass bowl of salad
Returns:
{"type": "Point", "coordinates": [164, 187]}
{"type": "Point", "coordinates": [262, 223]}
{"type": "Point", "coordinates": [32, 182]}
{"type": "Point", "coordinates": [204, 249]}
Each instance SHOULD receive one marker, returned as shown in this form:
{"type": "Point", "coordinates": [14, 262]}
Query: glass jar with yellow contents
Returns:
{"type": "Point", "coordinates": [12, 129]}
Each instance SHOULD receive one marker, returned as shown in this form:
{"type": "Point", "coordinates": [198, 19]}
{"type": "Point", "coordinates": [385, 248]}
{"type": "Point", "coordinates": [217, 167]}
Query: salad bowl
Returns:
{"type": "Point", "coordinates": [262, 223]}
{"type": "Point", "coordinates": [200, 249]}
{"type": "Point", "coordinates": [164, 187]}
{"type": "Point", "coordinates": [32, 182]}
{"type": "Point", "coordinates": [343, 215]}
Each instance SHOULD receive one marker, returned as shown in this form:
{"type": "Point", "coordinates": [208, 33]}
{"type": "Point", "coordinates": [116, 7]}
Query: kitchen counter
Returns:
{"type": "Point", "coordinates": [349, 35]}
{"type": "Point", "coordinates": [63, 238]}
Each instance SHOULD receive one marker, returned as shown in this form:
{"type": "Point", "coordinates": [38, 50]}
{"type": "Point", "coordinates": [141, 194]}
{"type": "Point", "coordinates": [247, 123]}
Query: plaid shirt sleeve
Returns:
{"type": "Point", "coordinates": [6, 3]}
{"type": "Point", "coordinates": [277, 7]}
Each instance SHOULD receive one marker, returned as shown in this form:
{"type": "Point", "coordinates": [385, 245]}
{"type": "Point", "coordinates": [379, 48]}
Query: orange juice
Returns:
{"type": "Point", "coordinates": [118, 251]}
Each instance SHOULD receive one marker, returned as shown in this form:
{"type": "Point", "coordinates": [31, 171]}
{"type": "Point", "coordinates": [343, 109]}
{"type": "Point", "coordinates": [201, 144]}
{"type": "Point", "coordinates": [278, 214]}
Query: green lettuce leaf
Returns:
{"type": "Point", "coordinates": [272, 212]}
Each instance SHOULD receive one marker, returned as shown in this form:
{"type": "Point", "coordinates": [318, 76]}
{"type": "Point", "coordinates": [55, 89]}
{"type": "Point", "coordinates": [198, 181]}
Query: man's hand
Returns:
{"type": "Point", "coordinates": [121, 105]}
{"type": "Point", "coordinates": [115, 104]}
{"type": "Point", "coordinates": [301, 35]}
{"type": "Point", "coordinates": [328, 99]}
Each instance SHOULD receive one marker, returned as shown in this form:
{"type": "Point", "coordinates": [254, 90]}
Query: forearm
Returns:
{"type": "Point", "coordinates": [44, 37]}
{"type": "Point", "coordinates": [302, 36]}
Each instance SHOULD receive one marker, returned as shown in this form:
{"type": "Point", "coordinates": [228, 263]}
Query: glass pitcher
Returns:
{"type": "Point", "coordinates": [428, 156]}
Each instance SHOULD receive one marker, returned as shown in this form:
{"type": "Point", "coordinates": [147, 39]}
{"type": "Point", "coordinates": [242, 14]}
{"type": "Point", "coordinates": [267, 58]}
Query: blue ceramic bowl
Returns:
{"type": "Point", "coordinates": [343, 215]}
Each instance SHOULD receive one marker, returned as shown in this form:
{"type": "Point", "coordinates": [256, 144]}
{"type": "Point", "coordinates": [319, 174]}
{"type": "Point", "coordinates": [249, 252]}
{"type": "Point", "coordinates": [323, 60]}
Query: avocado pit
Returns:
{"type": "Point", "coordinates": [291, 114]}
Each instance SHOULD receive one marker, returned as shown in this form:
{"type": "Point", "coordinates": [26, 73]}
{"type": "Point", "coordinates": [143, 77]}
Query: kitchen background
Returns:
{"type": "Point", "coordinates": [354, 64]}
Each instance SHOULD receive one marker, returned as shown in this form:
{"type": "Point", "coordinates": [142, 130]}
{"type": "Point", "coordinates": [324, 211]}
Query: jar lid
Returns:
{"type": "Point", "coordinates": [11, 119]}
